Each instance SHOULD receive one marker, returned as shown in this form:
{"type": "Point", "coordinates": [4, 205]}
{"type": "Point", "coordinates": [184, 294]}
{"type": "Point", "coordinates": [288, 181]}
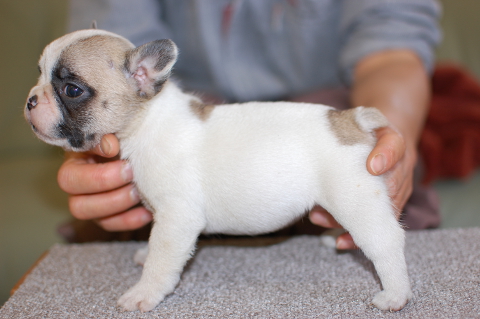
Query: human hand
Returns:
{"type": "Point", "coordinates": [392, 156]}
{"type": "Point", "coordinates": [100, 187]}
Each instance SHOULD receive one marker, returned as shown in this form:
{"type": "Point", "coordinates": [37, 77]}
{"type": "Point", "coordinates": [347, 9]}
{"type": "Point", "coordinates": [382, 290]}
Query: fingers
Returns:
{"type": "Point", "coordinates": [319, 216]}
{"type": "Point", "coordinates": [400, 180]}
{"type": "Point", "coordinates": [345, 242]}
{"type": "Point", "coordinates": [81, 173]}
{"type": "Point", "coordinates": [108, 146]}
{"type": "Point", "coordinates": [78, 175]}
{"type": "Point", "coordinates": [129, 220]}
{"type": "Point", "coordinates": [391, 155]}
{"type": "Point", "coordinates": [103, 204]}
{"type": "Point", "coordinates": [100, 187]}
{"type": "Point", "coordinates": [390, 148]}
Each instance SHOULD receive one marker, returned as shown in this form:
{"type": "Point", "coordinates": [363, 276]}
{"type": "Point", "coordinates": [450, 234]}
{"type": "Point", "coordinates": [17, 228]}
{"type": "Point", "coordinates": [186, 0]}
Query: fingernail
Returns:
{"type": "Point", "coordinates": [378, 163]}
{"type": "Point", "coordinates": [318, 219]}
{"type": "Point", "coordinates": [134, 195]}
{"type": "Point", "coordinates": [105, 146]}
{"type": "Point", "coordinates": [343, 244]}
{"type": "Point", "coordinates": [127, 172]}
{"type": "Point", "coordinates": [146, 218]}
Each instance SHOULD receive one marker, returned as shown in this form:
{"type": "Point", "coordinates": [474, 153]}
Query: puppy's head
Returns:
{"type": "Point", "coordinates": [92, 82]}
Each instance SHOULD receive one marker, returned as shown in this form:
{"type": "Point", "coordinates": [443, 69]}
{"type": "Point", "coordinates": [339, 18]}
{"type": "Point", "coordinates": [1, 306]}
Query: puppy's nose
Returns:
{"type": "Point", "coordinates": [32, 102]}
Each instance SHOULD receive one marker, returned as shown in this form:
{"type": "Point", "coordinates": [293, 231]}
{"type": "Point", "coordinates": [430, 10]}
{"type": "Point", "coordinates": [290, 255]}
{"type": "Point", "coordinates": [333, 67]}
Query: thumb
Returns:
{"type": "Point", "coordinates": [109, 146]}
{"type": "Point", "coordinates": [389, 149]}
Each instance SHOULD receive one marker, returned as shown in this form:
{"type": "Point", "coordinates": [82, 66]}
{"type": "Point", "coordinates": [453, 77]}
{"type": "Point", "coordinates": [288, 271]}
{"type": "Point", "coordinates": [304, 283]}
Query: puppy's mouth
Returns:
{"type": "Point", "coordinates": [47, 138]}
{"type": "Point", "coordinates": [53, 139]}
{"type": "Point", "coordinates": [35, 129]}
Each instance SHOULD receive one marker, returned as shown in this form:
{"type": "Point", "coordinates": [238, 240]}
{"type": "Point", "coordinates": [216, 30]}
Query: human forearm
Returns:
{"type": "Point", "coordinates": [396, 83]}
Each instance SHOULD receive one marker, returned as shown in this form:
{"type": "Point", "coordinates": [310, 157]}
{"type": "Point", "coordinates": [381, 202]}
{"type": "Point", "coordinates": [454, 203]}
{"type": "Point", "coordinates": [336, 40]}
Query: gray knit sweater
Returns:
{"type": "Point", "coordinates": [268, 49]}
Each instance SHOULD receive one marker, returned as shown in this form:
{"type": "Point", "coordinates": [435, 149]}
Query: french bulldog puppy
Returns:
{"type": "Point", "coordinates": [247, 168]}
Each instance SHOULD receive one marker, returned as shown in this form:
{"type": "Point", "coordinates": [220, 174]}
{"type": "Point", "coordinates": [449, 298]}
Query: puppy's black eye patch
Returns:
{"type": "Point", "coordinates": [72, 91]}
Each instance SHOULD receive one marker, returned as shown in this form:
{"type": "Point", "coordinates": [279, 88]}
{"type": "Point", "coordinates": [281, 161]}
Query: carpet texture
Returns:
{"type": "Point", "coordinates": [297, 278]}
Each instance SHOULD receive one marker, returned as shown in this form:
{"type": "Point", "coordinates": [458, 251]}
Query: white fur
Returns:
{"type": "Point", "coordinates": [240, 169]}
{"type": "Point", "coordinates": [249, 169]}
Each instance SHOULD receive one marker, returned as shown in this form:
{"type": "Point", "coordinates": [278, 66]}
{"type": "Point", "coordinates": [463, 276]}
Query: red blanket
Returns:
{"type": "Point", "coordinates": [450, 142]}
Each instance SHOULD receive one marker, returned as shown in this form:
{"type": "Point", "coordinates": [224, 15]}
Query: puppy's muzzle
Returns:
{"type": "Point", "coordinates": [32, 102]}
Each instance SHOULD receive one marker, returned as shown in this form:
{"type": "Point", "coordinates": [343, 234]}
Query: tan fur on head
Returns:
{"type": "Point", "coordinates": [114, 79]}
{"type": "Point", "coordinates": [98, 58]}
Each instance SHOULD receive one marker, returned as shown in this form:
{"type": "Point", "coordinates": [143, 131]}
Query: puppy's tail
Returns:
{"type": "Point", "coordinates": [370, 118]}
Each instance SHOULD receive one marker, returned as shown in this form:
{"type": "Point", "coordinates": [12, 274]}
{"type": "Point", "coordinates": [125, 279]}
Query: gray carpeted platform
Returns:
{"type": "Point", "coordinates": [297, 278]}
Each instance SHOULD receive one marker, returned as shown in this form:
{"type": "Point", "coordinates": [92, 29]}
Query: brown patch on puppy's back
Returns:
{"type": "Point", "coordinates": [201, 109]}
{"type": "Point", "coordinates": [346, 129]}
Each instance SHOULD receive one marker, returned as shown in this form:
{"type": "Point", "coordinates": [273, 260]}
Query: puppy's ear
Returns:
{"type": "Point", "coordinates": [149, 66]}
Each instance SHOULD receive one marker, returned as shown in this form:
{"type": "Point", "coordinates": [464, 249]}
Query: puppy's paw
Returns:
{"type": "Point", "coordinates": [391, 300]}
{"type": "Point", "coordinates": [329, 237]}
{"type": "Point", "coordinates": [141, 255]}
{"type": "Point", "coordinates": [141, 297]}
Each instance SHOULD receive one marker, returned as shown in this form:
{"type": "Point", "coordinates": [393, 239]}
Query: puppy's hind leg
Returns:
{"type": "Point", "coordinates": [371, 221]}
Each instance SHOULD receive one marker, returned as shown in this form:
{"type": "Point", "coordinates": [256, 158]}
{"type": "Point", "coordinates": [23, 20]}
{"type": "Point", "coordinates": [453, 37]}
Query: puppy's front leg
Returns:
{"type": "Point", "coordinates": [171, 243]}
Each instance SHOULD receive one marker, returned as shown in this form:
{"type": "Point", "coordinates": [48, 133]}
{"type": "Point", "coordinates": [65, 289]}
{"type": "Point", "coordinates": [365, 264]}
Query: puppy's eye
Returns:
{"type": "Point", "coordinates": [73, 91]}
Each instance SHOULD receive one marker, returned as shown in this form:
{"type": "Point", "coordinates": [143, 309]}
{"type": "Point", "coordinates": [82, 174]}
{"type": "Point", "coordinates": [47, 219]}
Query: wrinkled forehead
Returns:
{"type": "Point", "coordinates": [80, 45]}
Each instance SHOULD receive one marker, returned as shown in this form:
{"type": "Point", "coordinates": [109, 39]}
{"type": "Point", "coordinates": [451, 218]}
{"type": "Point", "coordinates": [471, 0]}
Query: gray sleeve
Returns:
{"type": "Point", "coordinates": [375, 25]}
{"type": "Point", "coordinates": [137, 20]}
